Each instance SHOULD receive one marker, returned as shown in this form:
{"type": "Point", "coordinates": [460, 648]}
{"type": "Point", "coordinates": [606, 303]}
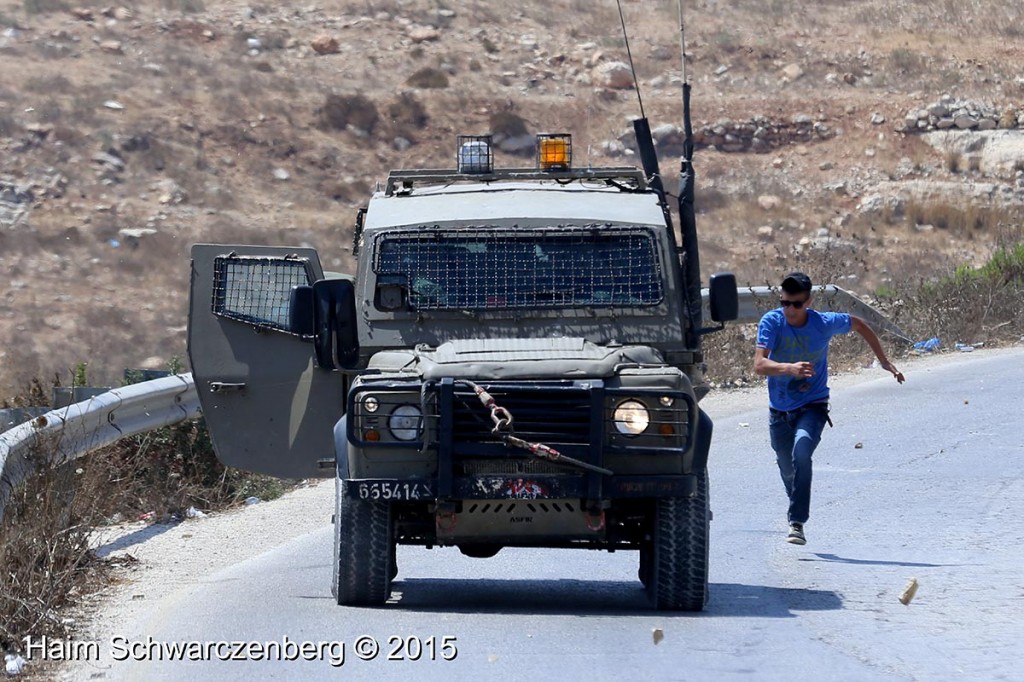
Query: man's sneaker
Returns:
{"type": "Point", "coordinates": [796, 534]}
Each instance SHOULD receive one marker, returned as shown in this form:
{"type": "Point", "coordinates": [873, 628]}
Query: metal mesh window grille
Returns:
{"type": "Point", "coordinates": [257, 290]}
{"type": "Point", "coordinates": [493, 269]}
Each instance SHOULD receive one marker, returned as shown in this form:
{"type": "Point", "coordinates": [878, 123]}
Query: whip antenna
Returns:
{"type": "Point", "coordinates": [687, 213]}
{"type": "Point", "coordinates": [682, 40]}
{"type": "Point", "coordinates": [629, 54]}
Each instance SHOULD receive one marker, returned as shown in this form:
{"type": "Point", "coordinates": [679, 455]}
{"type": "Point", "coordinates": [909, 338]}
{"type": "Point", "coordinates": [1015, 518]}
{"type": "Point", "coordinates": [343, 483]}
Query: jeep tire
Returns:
{"type": "Point", "coordinates": [364, 554]}
{"type": "Point", "coordinates": [677, 578]}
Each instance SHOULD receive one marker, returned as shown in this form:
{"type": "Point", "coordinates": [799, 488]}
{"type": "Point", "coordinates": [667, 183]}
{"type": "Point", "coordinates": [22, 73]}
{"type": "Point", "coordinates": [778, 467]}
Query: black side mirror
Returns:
{"type": "Point", "coordinates": [301, 319]}
{"type": "Point", "coordinates": [336, 327]}
{"type": "Point", "coordinates": [723, 298]}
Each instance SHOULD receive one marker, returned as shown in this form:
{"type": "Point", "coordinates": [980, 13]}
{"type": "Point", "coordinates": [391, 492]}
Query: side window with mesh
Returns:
{"type": "Point", "coordinates": [257, 290]}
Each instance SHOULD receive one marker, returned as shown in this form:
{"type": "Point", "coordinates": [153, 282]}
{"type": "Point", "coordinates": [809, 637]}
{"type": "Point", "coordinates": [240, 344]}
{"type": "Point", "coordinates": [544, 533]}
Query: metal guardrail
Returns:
{"type": "Point", "coordinates": [70, 432]}
{"type": "Point", "coordinates": [756, 301]}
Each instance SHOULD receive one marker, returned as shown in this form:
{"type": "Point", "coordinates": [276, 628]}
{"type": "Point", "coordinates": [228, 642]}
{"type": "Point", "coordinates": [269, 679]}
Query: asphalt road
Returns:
{"type": "Point", "coordinates": [921, 480]}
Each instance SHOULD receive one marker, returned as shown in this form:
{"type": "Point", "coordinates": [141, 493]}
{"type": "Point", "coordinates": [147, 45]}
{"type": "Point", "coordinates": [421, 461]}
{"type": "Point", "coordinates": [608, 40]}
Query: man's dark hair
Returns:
{"type": "Point", "coordinates": [796, 283]}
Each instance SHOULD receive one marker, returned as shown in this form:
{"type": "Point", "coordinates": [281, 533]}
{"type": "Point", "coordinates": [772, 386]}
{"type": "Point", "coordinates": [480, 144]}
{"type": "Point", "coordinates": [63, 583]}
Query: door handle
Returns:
{"type": "Point", "coordinates": [223, 387]}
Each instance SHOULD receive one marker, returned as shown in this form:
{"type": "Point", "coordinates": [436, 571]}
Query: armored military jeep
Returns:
{"type": "Point", "coordinates": [516, 362]}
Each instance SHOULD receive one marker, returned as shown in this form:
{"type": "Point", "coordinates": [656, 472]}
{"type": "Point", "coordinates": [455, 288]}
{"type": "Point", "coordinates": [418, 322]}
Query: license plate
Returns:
{"type": "Point", "coordinates": [390, 490]}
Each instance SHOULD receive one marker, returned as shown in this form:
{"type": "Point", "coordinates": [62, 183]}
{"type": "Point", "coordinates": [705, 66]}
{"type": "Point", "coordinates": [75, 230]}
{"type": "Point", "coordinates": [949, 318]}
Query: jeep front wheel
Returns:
{"type": "Point", "coordinates": [678, 572]}
{"type": "Point", "coordinates": [363, 550]}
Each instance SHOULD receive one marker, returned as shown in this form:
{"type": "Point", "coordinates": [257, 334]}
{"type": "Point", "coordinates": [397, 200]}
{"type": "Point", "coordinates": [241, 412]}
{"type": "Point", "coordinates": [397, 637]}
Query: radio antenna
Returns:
{"type": "Point", "coordinates": [682, 40]}
{"type": "Point", "coordinates": [629, 53]}
{"type": "Point", "coordinates": [687, 214]}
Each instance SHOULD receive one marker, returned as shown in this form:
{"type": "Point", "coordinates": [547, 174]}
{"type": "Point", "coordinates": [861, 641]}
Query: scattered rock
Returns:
{"type": "Point", "coordinates": [662, 54]}
{"type": "Point", "coordinates": [765, 233]}
{"type": "Point", "coordinates": [908, 592]}
{"type": "Point", "coordinates": [613, 148]}
{"type": "Point", "coordinates": [872, 203]}
{"type": "Point", "coordinates": [423, 34]}
{"type": "Point", "coordinates": [82, 13]}
{"type": "Point", "coordinates": [281, 174]}
{"type": "Point", "coordinates": [877, 119]}
{"type": "Point", "coordinates": [769, 202]}
{"type": "Point", "coordinates": [135, 233]}
{"type": "Point", "coordinates": [614, 75]}
{"type": "Point", "coordinates": [109, 161]}
{"type": "Point", "coordinates": [792, 72]}
{"type": "Point", "coordinates": [325, 44]}
{"type": "Point", "coordinates": [170, 192]}
{"type": "Point", "coordinates": [112, 46]}
{"type": "Point", "coordinates": [113, 104]}
{"type": "Point", "coordinates": [964, 122]}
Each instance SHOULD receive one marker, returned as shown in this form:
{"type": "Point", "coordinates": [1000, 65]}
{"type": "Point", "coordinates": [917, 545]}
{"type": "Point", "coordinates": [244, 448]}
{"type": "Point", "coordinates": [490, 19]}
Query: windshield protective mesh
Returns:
{"type": "Point", "coordinates": [528, 269]}
{"type": "Point", "coordinates": [257, 290]}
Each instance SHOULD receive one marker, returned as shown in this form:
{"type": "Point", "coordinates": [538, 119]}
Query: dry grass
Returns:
{"type": "Point", "coordinates": [219, 120]}
{"type": "Point", "coordinates": [963, 220]}
{"type": "Point", "coordinates": [44, 549]}
{"type": "Point", "coordinates": [45, 534]}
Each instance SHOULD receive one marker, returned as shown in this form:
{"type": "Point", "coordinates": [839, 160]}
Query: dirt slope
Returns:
{"type": "Point", "coordinates": [127, 133]}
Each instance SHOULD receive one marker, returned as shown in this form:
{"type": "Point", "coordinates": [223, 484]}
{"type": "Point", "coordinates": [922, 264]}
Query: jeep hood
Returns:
{"type": "Point", "coordinates": [496, 359]}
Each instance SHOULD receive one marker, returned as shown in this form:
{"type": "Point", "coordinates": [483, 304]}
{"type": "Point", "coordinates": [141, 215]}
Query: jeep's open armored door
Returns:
{"type": "Point", "coordinates": [268, 406]}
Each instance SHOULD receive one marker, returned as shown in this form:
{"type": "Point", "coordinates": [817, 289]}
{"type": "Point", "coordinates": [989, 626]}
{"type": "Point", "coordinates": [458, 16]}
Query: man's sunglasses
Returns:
{"type": "Point", "coordinates": [796, 304]}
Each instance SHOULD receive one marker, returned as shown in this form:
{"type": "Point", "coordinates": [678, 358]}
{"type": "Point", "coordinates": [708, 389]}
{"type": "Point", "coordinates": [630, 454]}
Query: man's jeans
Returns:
{"type": "Point", "coordinates": [794, 436]}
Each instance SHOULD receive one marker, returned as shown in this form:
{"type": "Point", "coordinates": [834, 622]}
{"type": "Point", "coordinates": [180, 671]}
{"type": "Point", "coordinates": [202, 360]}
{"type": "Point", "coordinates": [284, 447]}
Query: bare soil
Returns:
{"type": "Point", "coordinates": [140, 130]}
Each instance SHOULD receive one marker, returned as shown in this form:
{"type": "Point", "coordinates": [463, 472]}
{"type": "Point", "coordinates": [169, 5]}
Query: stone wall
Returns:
{"type": "Point", "coordinates": [959, 114]}
{"type": "Point", "coordinates": [759, 134]}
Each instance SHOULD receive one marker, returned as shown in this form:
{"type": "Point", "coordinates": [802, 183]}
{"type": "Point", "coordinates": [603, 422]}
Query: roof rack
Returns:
{"type": "Point", "coordinates": [401, 181]}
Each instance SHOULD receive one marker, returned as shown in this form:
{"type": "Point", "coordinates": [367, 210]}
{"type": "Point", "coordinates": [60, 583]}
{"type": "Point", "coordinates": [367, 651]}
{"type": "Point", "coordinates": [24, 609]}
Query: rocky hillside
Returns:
{"type": "Point", "coordinates": [129, 132]}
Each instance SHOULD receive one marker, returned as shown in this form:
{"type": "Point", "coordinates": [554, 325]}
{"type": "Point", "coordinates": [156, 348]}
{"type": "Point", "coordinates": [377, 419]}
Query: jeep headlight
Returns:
{"type": "Point", "coordinates": [631, 417]}
{"type": "Point", "coordinates": [404, 422]}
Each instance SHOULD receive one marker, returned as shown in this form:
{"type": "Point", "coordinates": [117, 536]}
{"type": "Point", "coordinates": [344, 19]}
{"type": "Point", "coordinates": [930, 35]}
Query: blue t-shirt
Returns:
{"type": "Point", "coordinates": [809, 343]}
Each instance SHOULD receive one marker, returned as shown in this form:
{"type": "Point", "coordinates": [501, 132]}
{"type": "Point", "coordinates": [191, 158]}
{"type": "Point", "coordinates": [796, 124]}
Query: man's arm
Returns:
{"type": "Point", "coordinates": [769, 368]}
{"type": "Point", "coordinates": [861, 327]}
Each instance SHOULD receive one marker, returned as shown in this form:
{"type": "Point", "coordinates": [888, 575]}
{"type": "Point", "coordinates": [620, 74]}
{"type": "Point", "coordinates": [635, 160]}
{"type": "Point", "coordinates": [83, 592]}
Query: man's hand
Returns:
{"type": "Point", "coordinates": [801, 370]}
{"type": "Point", "coordinates": [889, 367]}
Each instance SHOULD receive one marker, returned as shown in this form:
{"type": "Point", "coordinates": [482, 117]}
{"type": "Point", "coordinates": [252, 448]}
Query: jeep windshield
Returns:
{"type": "Point", "coordinates": [527, 268]}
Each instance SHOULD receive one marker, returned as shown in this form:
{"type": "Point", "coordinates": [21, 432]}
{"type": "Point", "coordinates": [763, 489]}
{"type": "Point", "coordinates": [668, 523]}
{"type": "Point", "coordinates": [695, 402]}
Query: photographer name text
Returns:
{"type": "Point", "coordinates": [363, 648]}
